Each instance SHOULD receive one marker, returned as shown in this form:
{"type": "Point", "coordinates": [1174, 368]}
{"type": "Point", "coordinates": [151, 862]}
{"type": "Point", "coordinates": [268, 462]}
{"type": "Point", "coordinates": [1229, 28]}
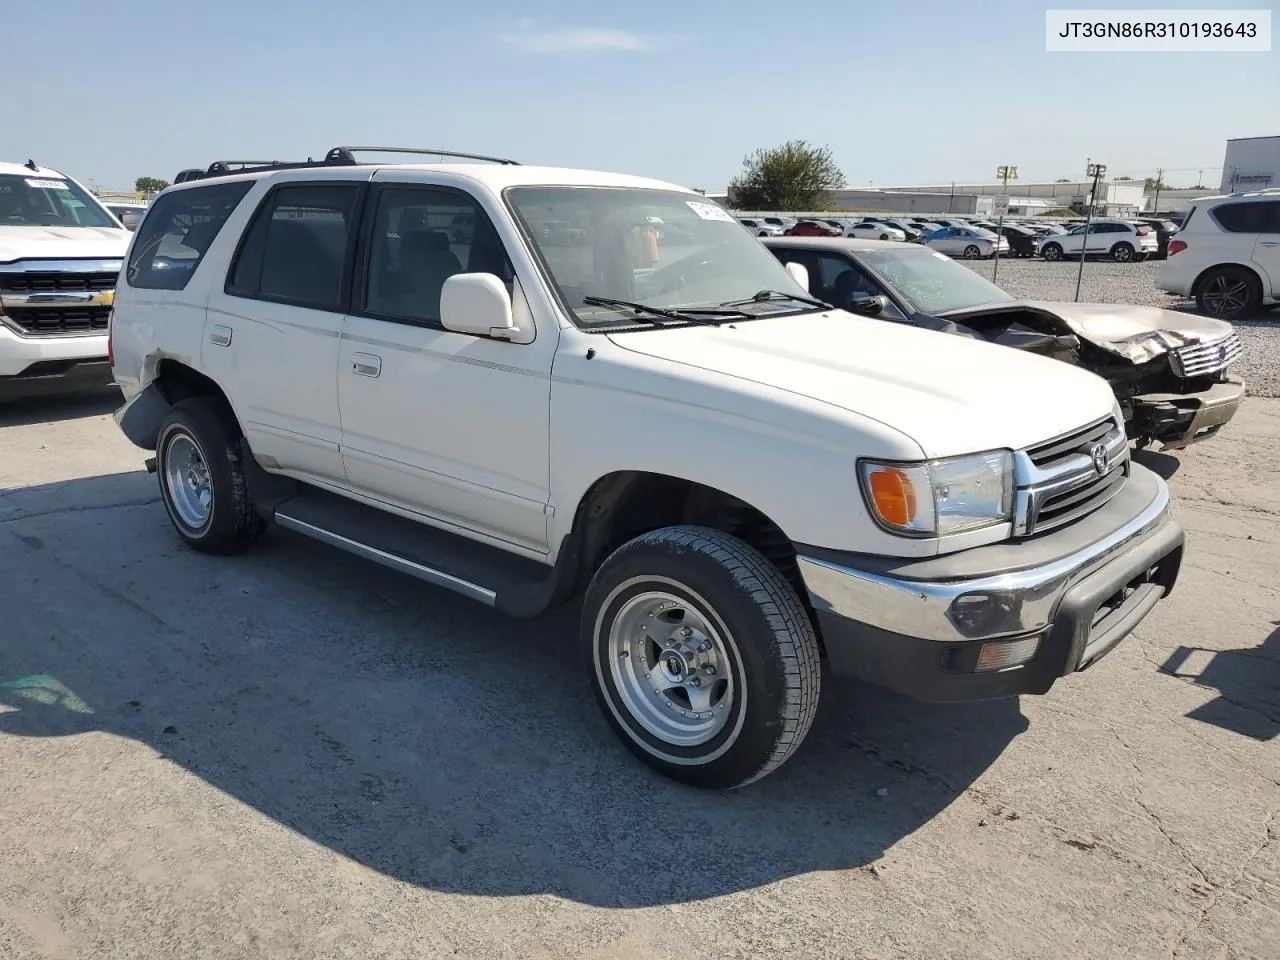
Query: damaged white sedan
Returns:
{"type": "Point", "coordinates": [1169, 370]}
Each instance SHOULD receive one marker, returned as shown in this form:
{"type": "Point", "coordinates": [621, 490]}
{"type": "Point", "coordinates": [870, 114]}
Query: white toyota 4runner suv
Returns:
{"type": "Point", "coordinates": [60, 252]}
{"type": "Point", "coordinates": [526, 384]}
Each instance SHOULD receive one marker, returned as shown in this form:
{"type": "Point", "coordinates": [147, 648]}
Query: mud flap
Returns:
{"type": "Point", "coordinates": [140, 418]}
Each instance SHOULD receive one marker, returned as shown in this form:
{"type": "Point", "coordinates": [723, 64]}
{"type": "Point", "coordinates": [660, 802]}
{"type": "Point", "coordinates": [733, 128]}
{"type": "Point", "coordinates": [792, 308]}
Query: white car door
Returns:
{"type": "Point", "coordinates": [1266, 250]}
{"type": "Point", "coordinates": [271, 332]}
{"type": "Point", "coordinates": [1073, 240]}
{"type": "Point", "coordinates": [450, 426]}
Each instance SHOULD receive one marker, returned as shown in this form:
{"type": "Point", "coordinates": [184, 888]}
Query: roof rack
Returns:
{"type": "Point", "coordinates": [337, 157]}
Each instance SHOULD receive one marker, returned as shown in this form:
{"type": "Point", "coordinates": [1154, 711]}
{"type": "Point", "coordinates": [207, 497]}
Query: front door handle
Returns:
{"type": "Point", "coordinates": [1269, 243]}
{"type": "Point", "coordinates": [366, 365]}
{"type": "Point", "coordinates": [220, 335]}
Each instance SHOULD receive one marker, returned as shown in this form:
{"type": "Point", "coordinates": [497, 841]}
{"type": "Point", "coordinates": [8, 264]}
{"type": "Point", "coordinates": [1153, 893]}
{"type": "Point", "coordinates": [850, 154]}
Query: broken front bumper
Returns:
{"type": "Point", "coordinates": [1180, 419]}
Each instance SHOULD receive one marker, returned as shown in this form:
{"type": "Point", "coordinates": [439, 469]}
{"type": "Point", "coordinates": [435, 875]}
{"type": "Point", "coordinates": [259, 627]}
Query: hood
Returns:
{"type": "Point", "coordinates": [1138, 334]}
{"type": "Point", "coordinates": [62, 243]}
{"type": "Point", "coordinates": [950, 395]}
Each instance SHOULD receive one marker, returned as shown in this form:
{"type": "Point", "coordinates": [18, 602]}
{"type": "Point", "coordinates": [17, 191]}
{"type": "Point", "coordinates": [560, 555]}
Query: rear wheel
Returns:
{"type": "Point", "coordinates": [971, 252]}
{"type": "Point", "coordinates": [1122, 253]}
{"type": "Point", "coordinates": [702, 656]}
{"type": "Point", "coordinates": [1051, 251]}
{"type": "Point", "coordinates": [1229, 292]}
{"type": "Point", "coordinates": [202, 478]}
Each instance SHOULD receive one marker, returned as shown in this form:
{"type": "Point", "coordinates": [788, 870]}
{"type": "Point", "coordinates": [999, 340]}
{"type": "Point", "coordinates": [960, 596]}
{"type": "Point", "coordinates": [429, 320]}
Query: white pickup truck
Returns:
{"type": "Point", "coordinates": [60, 252]}
{"type": "Point", "coordinates": [529, 385]}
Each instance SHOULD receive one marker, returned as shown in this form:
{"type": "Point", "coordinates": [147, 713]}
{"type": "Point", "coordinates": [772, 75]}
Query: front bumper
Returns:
{"type": "Point", "coordinates": [920, 627]}
{"type": "Point", "coordinates": [1178, 420]}
{"type": "Point", "coordinates": [37, 365]}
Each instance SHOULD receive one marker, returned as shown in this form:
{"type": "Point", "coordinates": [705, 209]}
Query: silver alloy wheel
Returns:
{"type": "Point", "coordinates": [971, 252]}
{"type": "Point", "coordinates": [1224, 295]}
{"type": "Point", "coordinates": [671, 668]}
{"type": "Point", "coordinates": [1051, 252]}
{"type": "Point", "coordinates": [1122, 253]}
{"type": "Point", "coordinates": [186, 479]}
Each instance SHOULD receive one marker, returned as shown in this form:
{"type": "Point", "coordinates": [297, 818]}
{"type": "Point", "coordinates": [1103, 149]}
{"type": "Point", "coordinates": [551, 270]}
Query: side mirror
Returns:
{"type": "Point", "coordinates": [476, 303]}
{"type": "Point", "coordinates": [799, 274]}
{"type": "Point", "coordinates": [870, 306]}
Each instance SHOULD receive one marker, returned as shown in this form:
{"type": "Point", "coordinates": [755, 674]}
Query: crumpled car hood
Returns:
{"type": "Point", "coordinates": [1137, 334]}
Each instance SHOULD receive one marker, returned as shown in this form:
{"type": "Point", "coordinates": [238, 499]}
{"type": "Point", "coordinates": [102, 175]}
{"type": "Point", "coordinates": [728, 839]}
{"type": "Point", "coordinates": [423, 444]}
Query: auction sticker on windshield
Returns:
{"type": "Point", "coordinates": [709, 211]}
{"type": "Point", "coordinates": [48, 184]}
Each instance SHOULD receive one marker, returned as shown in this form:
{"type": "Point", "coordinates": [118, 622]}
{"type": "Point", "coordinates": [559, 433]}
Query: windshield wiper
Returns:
{"type": "Point", "coordinates": [689, 315]}
{"type": "Point", "coordinates": [766, 296]}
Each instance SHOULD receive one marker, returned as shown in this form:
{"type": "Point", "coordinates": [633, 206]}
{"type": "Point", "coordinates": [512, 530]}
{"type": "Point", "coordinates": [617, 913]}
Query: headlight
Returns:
{"type": "Point", "coordinates": [940, 497]}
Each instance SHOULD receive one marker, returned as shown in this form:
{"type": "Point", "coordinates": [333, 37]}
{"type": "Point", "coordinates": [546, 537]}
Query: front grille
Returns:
{"type": "Point", "coordinates": [40, 282]}
{"type": "Point", "coordinates": [1202, 359]}
{"type": "Point", "coordinates": [1058, 509]}
{"type": "Point", "coordinates": [1055, 451]}
{"type": "Point", "coordinates": [48, 321]}
{"type": "Point", "coordinates": [1060, 481]}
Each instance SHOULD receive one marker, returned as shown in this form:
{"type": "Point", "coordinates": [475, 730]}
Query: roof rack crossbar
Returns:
{"type": "Point", "coordinates": [337, 157]}
{"type": "Point", "coordinates": [346, 153]}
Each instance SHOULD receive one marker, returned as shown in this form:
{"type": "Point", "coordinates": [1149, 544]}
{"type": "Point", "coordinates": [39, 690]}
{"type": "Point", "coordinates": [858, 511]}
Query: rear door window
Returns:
{"type": "Point", "coordinates": [297, 247]}
{"type": "Point", "coordinates": [176, 233]}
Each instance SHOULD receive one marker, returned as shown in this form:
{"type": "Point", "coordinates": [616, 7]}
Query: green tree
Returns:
{"type": "Point", "coordinates": [149, 184]}
{"type": "Point", "coordinates": [1151, 183]}
{"type": "Point", "coordinates": [794, 176]}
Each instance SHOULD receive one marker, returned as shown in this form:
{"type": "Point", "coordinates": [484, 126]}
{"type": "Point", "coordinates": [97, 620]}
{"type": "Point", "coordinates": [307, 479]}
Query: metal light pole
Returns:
{"type": "Point", "coordinates": [1096, 170]}
{"type": "Point", "coordinates": [1004, 174]}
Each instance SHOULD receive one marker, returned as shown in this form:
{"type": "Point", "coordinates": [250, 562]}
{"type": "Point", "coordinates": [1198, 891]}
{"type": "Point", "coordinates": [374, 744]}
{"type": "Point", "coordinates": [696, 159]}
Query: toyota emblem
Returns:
{"type": "Point", "coordinates": [1099, 454]}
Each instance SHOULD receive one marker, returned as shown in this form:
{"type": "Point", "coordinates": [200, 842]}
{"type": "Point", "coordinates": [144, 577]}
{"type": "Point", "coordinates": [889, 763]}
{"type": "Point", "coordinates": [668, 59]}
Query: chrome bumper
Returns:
{"type": "Point", "coordinates": [976, 608]}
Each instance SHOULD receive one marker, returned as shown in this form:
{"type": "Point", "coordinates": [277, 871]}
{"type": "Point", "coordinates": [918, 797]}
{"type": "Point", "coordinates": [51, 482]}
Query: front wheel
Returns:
{"type": "Point", "coordinates": [1051, 251]}
{"type": "Point", "coordinates": [1122, 253]}
{"type": "Point", "coordinates": [703, 659]}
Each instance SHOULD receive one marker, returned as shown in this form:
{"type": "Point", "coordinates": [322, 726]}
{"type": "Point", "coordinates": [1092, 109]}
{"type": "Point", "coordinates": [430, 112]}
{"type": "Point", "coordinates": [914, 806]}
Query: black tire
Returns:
{"type": "Point", "coordinates": [1122, 252]}
{"type": "Point", "coordinates": [1051, 251]}
{"type": "Point", "coordinates": [232, 523]}
{"type": "Point", "coordinates": [772, 651]}
{"type": "Point", "coordinates": [1228, 292]}
{"type": "Point", "coordinates": [884, 236]}
{"type": "Point", "coordinates": [971, 252]}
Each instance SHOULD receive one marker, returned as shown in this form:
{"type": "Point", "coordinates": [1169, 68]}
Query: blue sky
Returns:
{"type": "Point", "coordinates": [903, 92]}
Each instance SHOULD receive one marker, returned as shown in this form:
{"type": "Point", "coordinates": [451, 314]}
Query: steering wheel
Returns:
{"type": "Point", "coordinates": [685, 272]}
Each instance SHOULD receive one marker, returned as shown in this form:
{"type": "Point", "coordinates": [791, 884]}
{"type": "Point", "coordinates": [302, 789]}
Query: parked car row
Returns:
{"type": "Point", "coordinates": [1119, 239]}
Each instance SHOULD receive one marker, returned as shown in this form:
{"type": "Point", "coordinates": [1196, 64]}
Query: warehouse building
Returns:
{"type": "Point", "coordinates": [1116, 198]}
{"type": "Point", "coordinates": [1251, 163]}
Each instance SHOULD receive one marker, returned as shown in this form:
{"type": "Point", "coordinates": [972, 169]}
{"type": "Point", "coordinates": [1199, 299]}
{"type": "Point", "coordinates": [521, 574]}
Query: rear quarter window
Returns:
{"type": "Point", "coordinates": [1239, 217]}
{"type": "Point", "coordinates": [177, 232]}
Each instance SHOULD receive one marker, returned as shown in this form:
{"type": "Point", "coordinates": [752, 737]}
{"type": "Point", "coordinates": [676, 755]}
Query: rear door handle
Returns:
{"type": "Point", "coordinates": [220, 335]}
{"type": "Point", "coordinates": [366, 364]}
{"type": "Point", "coordinates": [1269, 243]}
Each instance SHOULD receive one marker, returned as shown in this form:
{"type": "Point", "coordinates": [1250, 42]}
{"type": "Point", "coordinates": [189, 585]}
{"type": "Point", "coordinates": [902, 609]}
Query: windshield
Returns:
{"type": "Point", "coordinates": [930, 282]}
{"type": "Point", "coordinates": [37, 201]}
{"type": "Point", "coordinates": [662, 248]}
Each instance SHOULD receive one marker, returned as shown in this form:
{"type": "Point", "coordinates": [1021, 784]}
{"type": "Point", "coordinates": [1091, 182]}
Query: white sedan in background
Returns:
{"type": "Point", "coordinates": [971, 243]}
{"type": "Point", "coordinates": [875, 231]}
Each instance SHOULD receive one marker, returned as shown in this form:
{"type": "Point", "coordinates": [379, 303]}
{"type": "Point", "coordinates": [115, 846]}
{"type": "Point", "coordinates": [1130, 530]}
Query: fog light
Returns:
{"type": "Point", "coordinates": [1009, 653]}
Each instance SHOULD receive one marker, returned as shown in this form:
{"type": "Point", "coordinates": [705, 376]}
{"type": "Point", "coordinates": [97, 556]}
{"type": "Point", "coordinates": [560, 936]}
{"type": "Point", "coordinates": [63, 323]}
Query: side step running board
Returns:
{"type": "Point", "coordinates": [494, 577]}
{"type": "Point", "coordinates": [414, 569]}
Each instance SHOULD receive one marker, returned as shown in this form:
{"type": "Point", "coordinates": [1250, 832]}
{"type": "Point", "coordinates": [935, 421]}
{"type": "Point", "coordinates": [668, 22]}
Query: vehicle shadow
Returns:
{"type": "Point", "coordinates": [24, 411]}
{"type": "Point", "coordinates": [1166, 465]}
{"type": "Point", "coordinates": [1248, 685]}
{"type": "Point", "coordinates": [428, 737]}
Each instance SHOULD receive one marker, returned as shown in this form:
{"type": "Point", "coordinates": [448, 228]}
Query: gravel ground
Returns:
{"type": "Point", "coordinates": [1107, 282]}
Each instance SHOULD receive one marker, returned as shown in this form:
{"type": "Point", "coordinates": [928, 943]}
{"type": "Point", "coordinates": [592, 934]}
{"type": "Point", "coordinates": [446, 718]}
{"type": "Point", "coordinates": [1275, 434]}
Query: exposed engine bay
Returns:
{"type": "Point", "coordinates": [1168, 369]}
